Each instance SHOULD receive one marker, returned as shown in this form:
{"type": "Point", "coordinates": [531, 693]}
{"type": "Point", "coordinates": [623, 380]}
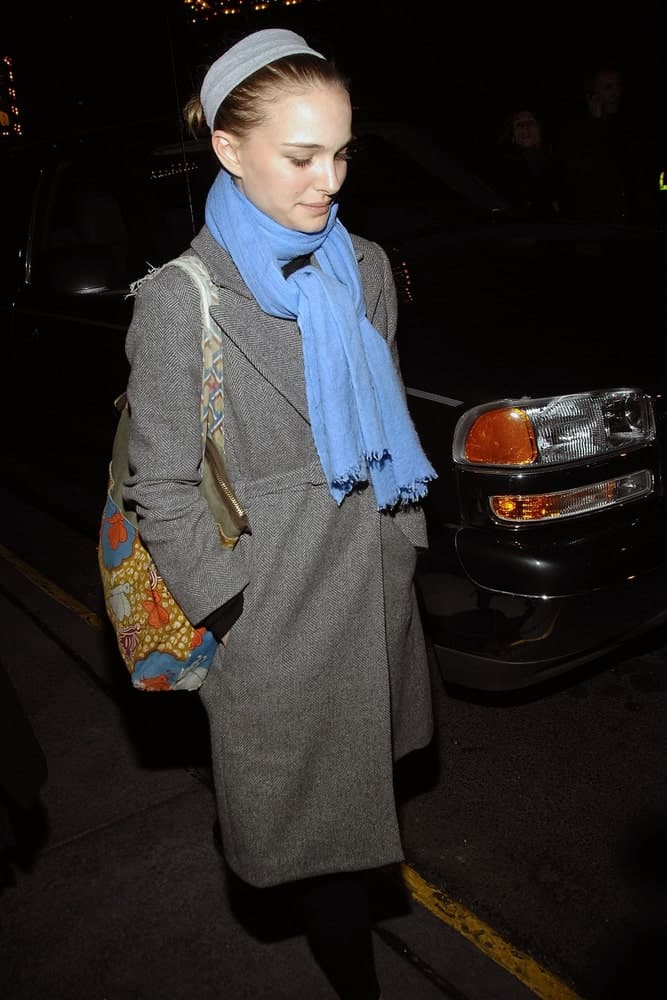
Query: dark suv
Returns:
{"type": "Point", "coordinates": [529, 351]}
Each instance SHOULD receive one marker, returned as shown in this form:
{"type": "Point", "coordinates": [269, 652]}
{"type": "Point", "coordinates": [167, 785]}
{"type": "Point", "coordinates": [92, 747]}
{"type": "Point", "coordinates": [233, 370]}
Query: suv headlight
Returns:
{"type": "Point", "coordinates": [536, 434]}
{"type": "Point", "coordinates": [557, 430]}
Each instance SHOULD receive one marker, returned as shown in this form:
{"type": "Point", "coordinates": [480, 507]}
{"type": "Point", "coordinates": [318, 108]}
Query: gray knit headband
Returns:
{"type": "Point", "coordinates": [244, 59]}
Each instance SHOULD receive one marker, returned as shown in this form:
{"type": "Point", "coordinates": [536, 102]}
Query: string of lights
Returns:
{"type": "Point", "coordinates": [207, 10]}
{"type": "Point", "coordinates": [10, 123]}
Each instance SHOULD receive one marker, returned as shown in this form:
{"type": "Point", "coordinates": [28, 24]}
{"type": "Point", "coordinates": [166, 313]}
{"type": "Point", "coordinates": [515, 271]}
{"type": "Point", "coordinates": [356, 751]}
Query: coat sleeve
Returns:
{"type": "Point", "coordinates": [165, 451]}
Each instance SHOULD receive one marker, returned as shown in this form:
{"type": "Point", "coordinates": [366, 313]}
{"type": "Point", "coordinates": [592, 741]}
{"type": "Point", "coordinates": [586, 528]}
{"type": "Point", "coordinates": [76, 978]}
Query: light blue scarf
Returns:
{"type": "Point", "coordinates": [360, 422]}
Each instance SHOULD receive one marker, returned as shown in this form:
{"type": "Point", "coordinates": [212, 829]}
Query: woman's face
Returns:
{"type": "Point", "coordinates": [526, 129]}
{"type": "Point", "coordinates": [293, 165]}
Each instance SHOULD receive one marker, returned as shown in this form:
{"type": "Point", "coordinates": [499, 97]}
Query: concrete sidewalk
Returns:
{"type": "Point", "coordinates": [125, 896]}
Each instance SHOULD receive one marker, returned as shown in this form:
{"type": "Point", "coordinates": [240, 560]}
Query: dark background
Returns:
{"type": "Point", "coordinates": [453, 69]}
{"type": "Point", "coordinates": [548, 817]}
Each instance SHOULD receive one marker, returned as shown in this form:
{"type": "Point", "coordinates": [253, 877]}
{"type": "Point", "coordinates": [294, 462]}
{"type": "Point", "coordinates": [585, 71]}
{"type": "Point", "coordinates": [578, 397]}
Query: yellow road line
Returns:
{"type": "Point", "coordinates": [524, 968]}
{"type": "Point", "coordinates": [52, 589]}
{"type": "Point", "coordinates": [542, 983]}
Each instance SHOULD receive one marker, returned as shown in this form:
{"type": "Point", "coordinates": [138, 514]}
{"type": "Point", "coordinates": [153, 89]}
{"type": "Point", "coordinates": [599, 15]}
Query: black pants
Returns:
{"type": "Point", "coordinates": [336, 914]}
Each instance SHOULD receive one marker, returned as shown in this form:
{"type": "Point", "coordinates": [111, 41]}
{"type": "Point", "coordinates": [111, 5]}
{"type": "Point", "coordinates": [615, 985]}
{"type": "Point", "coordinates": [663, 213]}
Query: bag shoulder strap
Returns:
{"type": "Point", "coordinates": [232, 520]}
{"type": "Point", "coordinates": [212, 394]}
{"type": "Point", "coordinates": [230, 517]}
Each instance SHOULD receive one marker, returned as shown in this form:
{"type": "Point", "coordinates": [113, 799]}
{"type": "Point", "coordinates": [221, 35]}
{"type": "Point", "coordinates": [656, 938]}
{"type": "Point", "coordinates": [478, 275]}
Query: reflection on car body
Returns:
{"type": "Point", "coordinates": [529, 353]}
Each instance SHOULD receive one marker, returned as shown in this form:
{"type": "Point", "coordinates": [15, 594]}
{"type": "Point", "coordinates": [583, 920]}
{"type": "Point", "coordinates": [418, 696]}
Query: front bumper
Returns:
{"type": "Point", "coordinates": [503, 615]}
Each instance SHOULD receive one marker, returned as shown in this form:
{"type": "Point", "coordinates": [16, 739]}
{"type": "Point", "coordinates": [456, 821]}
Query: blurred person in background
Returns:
{"type": "Point", "coordinates": [522, 167]}
{"type": "Point", "coordinates": [604, 156]}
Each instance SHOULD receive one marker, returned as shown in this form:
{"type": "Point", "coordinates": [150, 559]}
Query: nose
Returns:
{"type": "Point", "coordinates": [331, 176]}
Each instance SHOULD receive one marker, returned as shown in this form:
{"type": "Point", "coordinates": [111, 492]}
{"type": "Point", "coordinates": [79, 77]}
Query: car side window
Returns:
{"type": "Point", "coordinates": [108, 215]}
{"type": "Point", "coordinates": [174, 183]}
{"type": "Point", "coordinates": [82, 244]}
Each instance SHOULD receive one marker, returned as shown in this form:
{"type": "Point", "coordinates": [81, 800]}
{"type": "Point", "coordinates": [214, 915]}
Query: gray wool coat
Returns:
{"type": "Point", "coordinates": [324, 680]}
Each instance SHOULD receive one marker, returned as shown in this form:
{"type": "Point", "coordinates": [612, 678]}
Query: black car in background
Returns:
{"type": "Point", "coordinates": [530, 351]}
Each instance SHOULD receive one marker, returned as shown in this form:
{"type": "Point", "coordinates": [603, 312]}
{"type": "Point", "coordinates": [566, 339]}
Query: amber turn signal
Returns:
{"type": "Point", "coordinates": [502, 437]}
{"type": "Point", "coordinates": [523, 509]}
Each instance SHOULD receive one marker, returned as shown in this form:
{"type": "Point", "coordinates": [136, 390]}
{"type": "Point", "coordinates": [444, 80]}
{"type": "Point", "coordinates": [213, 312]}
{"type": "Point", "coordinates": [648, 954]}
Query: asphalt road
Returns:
{"type": "Point", "coordinates": [547, 815]}
{"type": "Point", "coordinates": [543, 814]}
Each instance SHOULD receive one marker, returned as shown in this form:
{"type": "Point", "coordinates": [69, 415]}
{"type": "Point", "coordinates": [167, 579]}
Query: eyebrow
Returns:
{"type": "Point", "coordinates": [312, 145]}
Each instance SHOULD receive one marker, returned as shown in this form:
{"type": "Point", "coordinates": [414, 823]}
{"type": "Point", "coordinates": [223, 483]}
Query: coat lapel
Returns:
{"type": "Point", "coordinates": [270, 344]}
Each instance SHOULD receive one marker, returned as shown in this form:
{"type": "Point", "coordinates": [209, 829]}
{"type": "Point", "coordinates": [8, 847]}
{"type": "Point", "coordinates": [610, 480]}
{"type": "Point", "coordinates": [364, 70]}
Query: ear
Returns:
{"type": "Point", "coordinates": [226, 148]}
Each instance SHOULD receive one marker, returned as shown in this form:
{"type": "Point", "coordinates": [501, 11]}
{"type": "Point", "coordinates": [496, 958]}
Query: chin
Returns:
{"type": "Point", "coordinates": [314, 225]}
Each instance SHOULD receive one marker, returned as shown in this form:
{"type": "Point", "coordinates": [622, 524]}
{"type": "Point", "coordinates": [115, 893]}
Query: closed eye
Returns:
{"type": "Point", "coordinates": [343, 155]}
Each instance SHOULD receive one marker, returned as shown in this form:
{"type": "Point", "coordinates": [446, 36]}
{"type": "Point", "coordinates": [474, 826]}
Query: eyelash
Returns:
{"type": "Point", "coordinates": [345, 155]}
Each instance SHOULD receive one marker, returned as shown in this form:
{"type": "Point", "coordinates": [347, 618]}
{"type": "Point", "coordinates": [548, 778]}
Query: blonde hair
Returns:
{"type": "Point", "coordinates": [248, 105]}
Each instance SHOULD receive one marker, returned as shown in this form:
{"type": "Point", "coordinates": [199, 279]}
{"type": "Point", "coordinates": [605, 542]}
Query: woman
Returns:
{"type": "Point", "coordinates": [320, 681]}
{"type": "Point", "coordinates": [524, 168]}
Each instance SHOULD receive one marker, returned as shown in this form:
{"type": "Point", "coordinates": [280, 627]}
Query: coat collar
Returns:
{"type": "Point", "coordinates": [221, 266]}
